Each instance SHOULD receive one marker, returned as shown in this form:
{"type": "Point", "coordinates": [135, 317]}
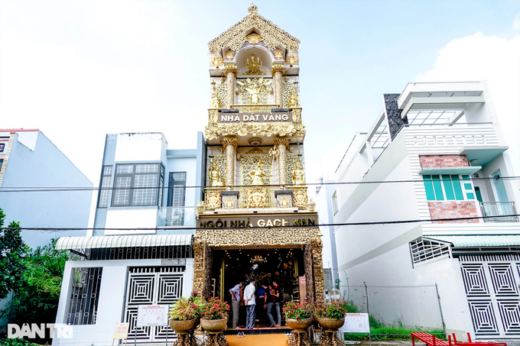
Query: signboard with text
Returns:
{"type": "Point", "coordinates": [152, 315]}
{"type": "Point", "coordinates": [284, 117]}
{"type": "Point", "coordinates": [356, 323]}
{"type": "Point", "coordinates": [223, 221]}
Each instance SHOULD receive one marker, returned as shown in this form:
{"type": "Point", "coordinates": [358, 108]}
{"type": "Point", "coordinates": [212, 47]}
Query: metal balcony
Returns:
{"type": "Point", "coordinates": [499, 211]}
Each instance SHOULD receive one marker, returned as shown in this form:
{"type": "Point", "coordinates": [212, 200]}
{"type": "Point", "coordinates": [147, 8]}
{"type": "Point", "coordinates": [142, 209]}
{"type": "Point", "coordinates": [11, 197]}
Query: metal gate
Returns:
{"type": "Point", "coordinates": [492, 289]}
{"type": "Point", "coordinates": [151, 286]}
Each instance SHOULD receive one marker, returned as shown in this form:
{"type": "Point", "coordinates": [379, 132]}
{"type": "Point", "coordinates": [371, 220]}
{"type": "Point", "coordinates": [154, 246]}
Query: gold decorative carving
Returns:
{"type": "Point", "coordinates": [291, 59]}
{"type": "Point", "coordinates": [250, 163]}
{"type": "Point", "coordinates": [231, 68]}
{"type": "Point", "coordinates": [254, 38]}
{"type": "Point", "coordinates": [215, 101]}
{"type": "Point", "coordinates": [213, 199]}
{"type": "Point", "coordinates": [212, 116]}
{"type": "Point", "coordinates": [293, 99]}
{"type": "Point", "coordinates": [287, 89]}
{"type": "Point", "coordinates": [229, 55]}
{"type": "Point", "coordinates": [252, 9]}
{"type": "Point", "coordinates": [277, 67]}
{"type": "Point", "coordinates": [297, 116]}
{"type": "Point", "coordinates": [292, 159]}
{"type": "Point", "coordinates": [216, 61]}
{"type": "Point", "coordinates": [285, 201]}
{"type": "Point", "coordinates": [254, 90]}
{"type": "Point", "coordinates": [253, 64]}
{"type": "Point", "coordinates": [230, 143]}
{"type": "Point", "coordinates": [256, 198]}
{"type": "Point", "coordinates": [300, 197]}
{"type": "Point", "coordinates": [215, 176]}
{"type": "Point", "coordinates": [257, 237]}
{"type": "Point", "coordinates": [229, 140]}
{"type": "Point", "coordinates": [257, 175]}
{"type": "Point", "coordinates": [278, 54]}
{"type": "Point", "coordinates": [235, 37]}
{"type": "Point", "coordinates": [282, 140]}
{"type": "Point", "coordinates": [255, 151]}
{"type": "Point", "coordinates": [317, 259]}
{"type": "Point", "coordinates": [229, 203]}
{"type": "Point", "coordinates": [255, 141]}
{"type": "Point", "coordinates": [298, 174]}
{"type": "Point", "coordinates": [256, 129]}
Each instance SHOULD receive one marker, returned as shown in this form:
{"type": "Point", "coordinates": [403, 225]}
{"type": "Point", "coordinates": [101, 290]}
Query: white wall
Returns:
{"type": "Point", "coordinates": [132, 147]}
{"type": "Point", "coordinates": [111, 299]}
{"type": "Point", "coordinates": [131, 218]}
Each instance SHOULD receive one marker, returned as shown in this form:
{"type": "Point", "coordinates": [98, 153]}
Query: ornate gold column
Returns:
{"type": "Point", "coordinates": [230, 144]}
{"type": "Point", "coordinates": [231, 71]}
{"type": "Point", "coordinates": [277, 74]}
{"type": "Point", "coordinates": [281, 144]}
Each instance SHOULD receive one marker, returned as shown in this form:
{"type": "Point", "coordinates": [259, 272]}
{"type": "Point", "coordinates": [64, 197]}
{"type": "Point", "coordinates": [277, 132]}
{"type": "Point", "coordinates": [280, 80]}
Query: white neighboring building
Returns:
{"type": "Point", "coordinates": [445, 137]}
{"type": "Point", "coordinates": [122, 269]}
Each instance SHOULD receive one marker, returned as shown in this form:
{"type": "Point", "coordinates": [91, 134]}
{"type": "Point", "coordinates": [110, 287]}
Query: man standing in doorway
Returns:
{"type": "Point", "coordinates": [274, 301]}
{"type": "Point", "coordinates": [235, 302]}
{"type": "Point", "coordinates": [250, 301]}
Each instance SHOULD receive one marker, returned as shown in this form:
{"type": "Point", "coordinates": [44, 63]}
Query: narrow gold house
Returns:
{"type": "Point", "coordinates": [256, 220]}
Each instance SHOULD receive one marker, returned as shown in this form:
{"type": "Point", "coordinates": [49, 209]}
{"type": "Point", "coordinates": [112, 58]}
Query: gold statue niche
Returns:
{"type": "Point", "coordinates": [253, 65]}
{"type": "Point", "coordinates": [215, 178]}
{"type": "Point", "coordinates": [298, 174]}
{"type": "Point", "coordinates": [257, 175]}
{"type": "Point", "coordinates": [254, 91]}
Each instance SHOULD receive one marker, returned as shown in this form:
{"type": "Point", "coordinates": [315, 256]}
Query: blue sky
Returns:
{"type": "Point", "coordinates": [80, 69]}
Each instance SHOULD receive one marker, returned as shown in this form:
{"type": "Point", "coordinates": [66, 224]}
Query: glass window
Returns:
{"type": "Point", "coordinates": [177, 189]}
{"type": "Point", "coordinates": [1, 164]}
{"type": "Point", "coordinates": [448, 187]}
{"type": "Point", "coordinates": [106, 183]}
{"type": "Point", "coordinates": [456, 187]}
{"type": "Point", "coordinates": [470, 196]}
{"type": "Point", "coordinates": [428, 186]}
{"type": "Point", "coordinates": [439, 196]}
{"type": "Point", "coordinates": [138, 185]}
{"type": "Point", "coordinates": [439, 188]}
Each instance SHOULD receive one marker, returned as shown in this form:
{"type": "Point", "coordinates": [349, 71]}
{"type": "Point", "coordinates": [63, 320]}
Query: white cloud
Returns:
{"type": "Point", "coordinates": [76, 101]}
{"type": "Point", "coordinates": [516, 22]}
{"type": "Point", "coordinates": [491, 58]}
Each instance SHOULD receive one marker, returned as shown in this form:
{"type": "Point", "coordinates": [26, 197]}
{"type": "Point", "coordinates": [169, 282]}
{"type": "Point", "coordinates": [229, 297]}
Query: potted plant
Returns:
{"type": "Point", "coordinates": [298, 315]}
{"type": "Point", "coordinates": [331, 314]}
{"type": "Point", "coordinates": [185, 314]}
{"type": "Point", "coordinates": [215, 315]}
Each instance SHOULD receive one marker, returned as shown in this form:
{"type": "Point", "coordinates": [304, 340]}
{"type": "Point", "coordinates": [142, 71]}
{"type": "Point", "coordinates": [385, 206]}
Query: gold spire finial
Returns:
{"type": "Point", "coordinates": [252, 9]}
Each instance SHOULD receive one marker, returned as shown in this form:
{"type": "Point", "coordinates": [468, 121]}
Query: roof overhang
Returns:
{"type": "Point", "coordinates": [450, 170]}
{"type": "Point", "coordinates": [99, 242]}
{"type": "Point", "coordinates": [479, 240]}
{"type": "Point", "coordinates": [483, 154]}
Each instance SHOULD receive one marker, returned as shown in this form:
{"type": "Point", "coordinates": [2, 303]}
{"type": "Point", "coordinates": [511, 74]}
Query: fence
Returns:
{"type": "Point", "coordinates": [403, 307]}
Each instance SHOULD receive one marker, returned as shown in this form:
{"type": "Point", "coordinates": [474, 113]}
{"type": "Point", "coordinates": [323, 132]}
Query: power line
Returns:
{"type": "Point", "coordinates": [65, 189]}
{"type": "Point", "coordinates": [187, 228]}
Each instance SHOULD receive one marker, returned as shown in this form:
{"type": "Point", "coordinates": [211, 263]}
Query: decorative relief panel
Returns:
{"type": "Point", "coordinates": [256, 129]}
{"type": "Point", "coordinates": [248, 164]}
{"type": "Point", "coordinates": [300, 199]}
{"type": "Point", "coordinates": [254, 91]}
{"type": "Point", "coordinates": [292, 159]}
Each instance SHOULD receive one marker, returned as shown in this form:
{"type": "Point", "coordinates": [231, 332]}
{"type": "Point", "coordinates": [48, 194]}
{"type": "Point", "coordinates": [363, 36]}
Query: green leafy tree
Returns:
{"type": "Point", "coordinates": [12, 257]}
{"type": "Point", "coordinates": [38, 300]}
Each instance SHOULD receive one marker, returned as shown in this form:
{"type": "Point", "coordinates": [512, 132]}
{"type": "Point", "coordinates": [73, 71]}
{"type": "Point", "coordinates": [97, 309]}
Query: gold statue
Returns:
{"type": "Point", "coordinates": [215, 178]}
{"type": "Point", "coordinates": [293, 99]}
{"type": "Point", "coordinates": [215, 101]}
{"type": "Point", "coordinates": [257, 175]}
{"type": "Point", "coordinates": [253, 66]}
{"type": "Point", "coordinates": [298, 175]}
{"type": "Point", "coordinates": [255, 87]}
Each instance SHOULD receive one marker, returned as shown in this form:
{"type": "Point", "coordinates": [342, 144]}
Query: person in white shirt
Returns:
{"type": "Point", "coordinates": [250, 302]}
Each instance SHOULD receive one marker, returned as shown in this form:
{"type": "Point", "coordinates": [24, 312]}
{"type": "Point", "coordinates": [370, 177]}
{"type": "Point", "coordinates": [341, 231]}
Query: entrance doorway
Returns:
{"type": "Point", "coordinates": [285, 266]}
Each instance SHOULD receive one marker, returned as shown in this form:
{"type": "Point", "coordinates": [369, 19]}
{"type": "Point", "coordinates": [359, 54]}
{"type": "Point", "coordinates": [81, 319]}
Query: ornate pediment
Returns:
{"type": "Point", "coordinates": [272, 36]}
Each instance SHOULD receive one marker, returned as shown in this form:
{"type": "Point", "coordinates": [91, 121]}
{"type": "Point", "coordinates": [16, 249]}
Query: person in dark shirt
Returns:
{"type": "Point", "coordinates": [274, 300]}
{"type": "Point", "coordinates": [260, 302]}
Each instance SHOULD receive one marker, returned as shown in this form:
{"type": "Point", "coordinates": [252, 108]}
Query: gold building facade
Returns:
{"type": "Point", "coordinates": [256, 214]}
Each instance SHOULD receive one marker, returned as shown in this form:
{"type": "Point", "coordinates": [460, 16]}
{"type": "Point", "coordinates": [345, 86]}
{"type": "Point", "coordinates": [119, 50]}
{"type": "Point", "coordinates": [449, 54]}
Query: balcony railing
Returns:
{"type": "Point", "coordinates": [502, 209]}
{"type": "Point", "coordinates": [176, 216]}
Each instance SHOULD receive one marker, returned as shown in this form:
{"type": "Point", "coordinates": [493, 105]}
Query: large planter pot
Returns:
{"type": "Point", "coordinates": [330, 323]}
{"type": "Point", "coordinates": [298, 324]}
{"type": "Point", "coordinates": [183, 326]}
{"type": "Point", "coordinates": [214, 325]}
